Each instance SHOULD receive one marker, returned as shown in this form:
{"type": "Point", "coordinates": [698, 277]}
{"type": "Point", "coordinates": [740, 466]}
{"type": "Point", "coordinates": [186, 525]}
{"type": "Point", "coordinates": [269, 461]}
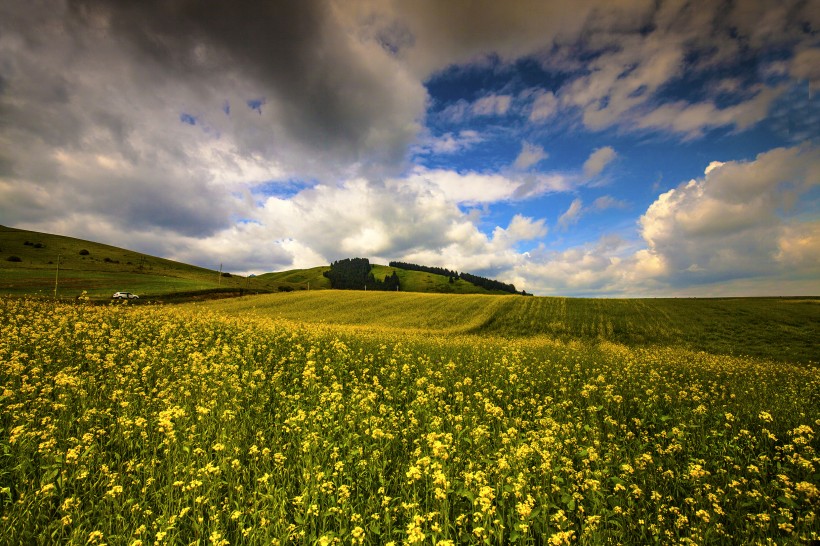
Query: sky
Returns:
{"type": "Point", "coordinates": [581, 148]}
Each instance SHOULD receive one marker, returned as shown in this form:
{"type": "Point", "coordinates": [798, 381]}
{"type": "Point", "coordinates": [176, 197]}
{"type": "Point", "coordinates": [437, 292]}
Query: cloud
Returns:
{"type": "Point", "coordinates": [572, 214]}
{"type": "Point", "coordinates": [544, 107]}
{"type": "Point", "coordinates": [449, 143]}
{"type": "Point", "coordinates": [530, 155]}
{"type": "Point", "coordinates": [608, 202]}
{"type": "Point", "coordinates": [520, 228]}
{"type": "Point", "coordinates": [473, 188]}
{"type": "Point", "coordinates": [739, 230]}
{"type": "Point", "coordinates": [692, 120]}
{"type": "Point", "coordinates": [631, 74]}
{"type": "Point", "coordinates": [806, 66]}
{"type": "Point", "coordinates": [598, 268]}
{"type": "Point", "coordinates": [324, 101]}
{"type": "Point", "coordinates": [492, 105]}
{"type": "Point", "coordinates": [166, 125]}
{"type": "Point", "coordinates": [599, 159]}
{"type": "Point", "coordinates": [735, 222]}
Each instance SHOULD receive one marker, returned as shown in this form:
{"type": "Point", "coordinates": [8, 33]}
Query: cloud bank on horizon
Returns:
{"type": "Point", "coordinates": [571, 148]}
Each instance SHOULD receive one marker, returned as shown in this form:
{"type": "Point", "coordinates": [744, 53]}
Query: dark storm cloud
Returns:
{"type": "Point", "coordinates": [327, 96]}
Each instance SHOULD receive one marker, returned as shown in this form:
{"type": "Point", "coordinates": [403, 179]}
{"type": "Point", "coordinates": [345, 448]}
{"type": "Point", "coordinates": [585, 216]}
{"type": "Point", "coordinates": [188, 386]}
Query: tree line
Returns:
{"type": "Point", "coordinates": [489, 284]}
{"type": "Point", "coordinates": [425, 269]}
{"type": "Point", "coordinates": [356, 274]}
{"type": "Point", "coordinates": [483, 282]}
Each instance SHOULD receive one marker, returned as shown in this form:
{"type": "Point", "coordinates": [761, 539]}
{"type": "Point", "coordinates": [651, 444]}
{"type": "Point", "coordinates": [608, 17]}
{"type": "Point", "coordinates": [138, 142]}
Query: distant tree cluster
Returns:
{"type": "Point", "coordinates": [425, 269]}
{"type": "Point", "coordinates": [489, 284]}
{"type": "Point", "coordinates": [355, 274]}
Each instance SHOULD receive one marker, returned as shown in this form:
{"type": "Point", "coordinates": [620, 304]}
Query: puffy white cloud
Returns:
{"type": "Point", "coordinates": [737, 231]}
{"type": "Point", "coordinates": [530, 155]}
{"type": "Point", "coordinates": [598, 268]}
{"type": "Point", "coordinates": [798, 247]}
{"type": "Point", "coordinates": [473, 188]}
{"type": "Point", "coordinates": [735, 222]}
{"type": "Point", "coordinates": [520, 228]}
{"type": "Point", "coordinates": [598, 160]}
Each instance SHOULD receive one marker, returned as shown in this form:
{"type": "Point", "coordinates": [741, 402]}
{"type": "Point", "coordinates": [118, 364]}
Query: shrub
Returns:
{"type": "Point", "coordinates": [39, 245]}
{"type": "Point", "coordinates": [84, 252]}
{"type": "Point", "coordinates": [227, 275]}
{"type": "Point", "coordinates": [14, 259]}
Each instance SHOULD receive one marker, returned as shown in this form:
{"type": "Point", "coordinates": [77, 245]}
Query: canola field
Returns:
{"type": "Point", "coordinates": [137, 425]}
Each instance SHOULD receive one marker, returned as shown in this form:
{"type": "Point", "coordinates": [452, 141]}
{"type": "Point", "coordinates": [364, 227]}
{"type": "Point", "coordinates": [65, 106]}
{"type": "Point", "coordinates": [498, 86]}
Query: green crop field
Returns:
{"type": "Point", "coordinates": [393, 418]}
{"type": "Point", "coordinates": [775, 328]}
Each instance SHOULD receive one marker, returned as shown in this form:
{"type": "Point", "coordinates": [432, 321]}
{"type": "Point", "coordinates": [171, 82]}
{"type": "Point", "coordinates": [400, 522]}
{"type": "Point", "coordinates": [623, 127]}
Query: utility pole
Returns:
{"type": "Point", "coordinates": [57, 276]}
{"type": "Point", "coordinates": [219, 276]}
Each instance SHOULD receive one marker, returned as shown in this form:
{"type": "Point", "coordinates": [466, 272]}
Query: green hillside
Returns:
{"type": "Point", "coordinates": [299, 279]}
{"type": "Point", "coordinates": [28, 265]}
{"type": "Point", "coordinates": [419, 281]}
{"type": "Point", "coordinates": [775, 328]}
{"type": "Point", "coordinates": [411, 281]}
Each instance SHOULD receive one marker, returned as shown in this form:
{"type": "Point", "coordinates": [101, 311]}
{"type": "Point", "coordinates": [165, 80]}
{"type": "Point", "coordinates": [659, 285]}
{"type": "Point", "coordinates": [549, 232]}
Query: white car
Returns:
{"type": "Point", "coordinates": [125, 296]}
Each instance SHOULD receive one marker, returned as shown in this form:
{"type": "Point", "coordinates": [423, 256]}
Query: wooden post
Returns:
{"type": "Point", "coordinates": [57, 276]}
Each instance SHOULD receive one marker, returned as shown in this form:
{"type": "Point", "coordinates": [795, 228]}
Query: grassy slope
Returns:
{"type": "Point", "coordinates": [126, 270]}
{"type": "Point", "coordinates": [780, 329]}
{"type": "Point", "coordinates": [411, 281]}
{"type": "Point", "coordinates": [300, 279]}
{"type": "Point", "coordinates": [419, 281]}
{"type": "Point", "coordinates": [151, 276]}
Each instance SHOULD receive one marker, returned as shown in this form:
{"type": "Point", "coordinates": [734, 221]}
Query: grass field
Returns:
{"type": "Point", "coordinates": [100, 270]}
{"type": "Point", "coordinates": [419, 281]}
{"type": "Point", "coordinates": [775, 328]}
{"type": "Point", "coordinates": [304, 279]}
{"type": "Point", "coordinates": [212, 424]}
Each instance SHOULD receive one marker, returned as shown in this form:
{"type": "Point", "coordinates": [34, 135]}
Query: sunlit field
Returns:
{"type": "Point", "coordinates": [142, 425]}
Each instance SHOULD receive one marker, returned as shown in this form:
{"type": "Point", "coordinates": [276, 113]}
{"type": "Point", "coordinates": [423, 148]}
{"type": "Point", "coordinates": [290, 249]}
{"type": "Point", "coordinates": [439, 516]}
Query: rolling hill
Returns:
{"type": "Point", "coordinates": [29, 263]}
{"type": "Point", "coordinates": [29, 260]}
